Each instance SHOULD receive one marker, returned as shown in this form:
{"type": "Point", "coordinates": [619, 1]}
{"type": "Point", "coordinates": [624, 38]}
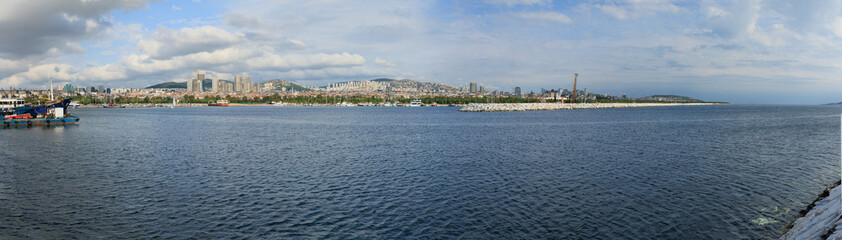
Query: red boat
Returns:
{"type": "Point", "coordinates": [220, 103]}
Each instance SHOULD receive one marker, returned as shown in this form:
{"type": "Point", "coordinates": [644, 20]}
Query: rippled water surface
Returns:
{"type": "Point", "coordinates": [706, 172]}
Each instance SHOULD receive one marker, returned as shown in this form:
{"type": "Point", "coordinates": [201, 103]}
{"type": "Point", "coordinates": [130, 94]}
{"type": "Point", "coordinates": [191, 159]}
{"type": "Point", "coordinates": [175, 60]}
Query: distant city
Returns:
{"type": "Point", "coordinates": [205, 86]}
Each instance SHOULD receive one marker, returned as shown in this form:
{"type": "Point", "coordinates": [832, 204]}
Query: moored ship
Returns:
{"type": "Point", "coordinates": [50, 113]}
{"type": "Point", "coordinates": [220, 103]}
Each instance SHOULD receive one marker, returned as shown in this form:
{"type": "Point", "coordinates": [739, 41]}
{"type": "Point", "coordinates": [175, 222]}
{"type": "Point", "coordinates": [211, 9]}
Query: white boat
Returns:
{"type": "Point", "coordinates": [415, 103]}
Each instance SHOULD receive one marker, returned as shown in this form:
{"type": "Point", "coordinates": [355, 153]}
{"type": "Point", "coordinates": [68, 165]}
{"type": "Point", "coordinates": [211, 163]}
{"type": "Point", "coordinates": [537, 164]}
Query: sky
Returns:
{"type": "Point", "coordinates": [746, 51]}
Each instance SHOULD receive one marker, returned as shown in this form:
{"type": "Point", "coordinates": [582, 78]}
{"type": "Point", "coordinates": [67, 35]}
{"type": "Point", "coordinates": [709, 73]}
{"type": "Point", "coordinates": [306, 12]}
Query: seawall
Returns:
{"type": "Point", "coordinates": [507, 107]}
{"type": "Point", "coordinates": [821, 219]}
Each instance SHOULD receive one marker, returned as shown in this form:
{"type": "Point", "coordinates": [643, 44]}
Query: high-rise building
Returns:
{"type": "Point", "coordinates": [215, 84]}
{"type": "Point", "coordinates": [247, 84]}
{"type": "Point", "coordinates": [68, 88]}
{"type": "Point", "coordinates": [101, 89]}
{"type": "Point", "coordinates": [189, 84]}
{"type": "Point", "coordinates": [473, 88]}
{"type": "Point", "coordinates": [200, 76]}
{"type": "Point", "coordinates": [517, 92]}
{"type": "Point", "coordinates": [197, 85]}
{"type": "Point", "coordinates": [255, 87]}
{"type": "Point", "coordinates": [229, 87]}
{"type": "Point", "coordinates": [481, 89]}
{"type": "Point", "coordinates": [238, 83]}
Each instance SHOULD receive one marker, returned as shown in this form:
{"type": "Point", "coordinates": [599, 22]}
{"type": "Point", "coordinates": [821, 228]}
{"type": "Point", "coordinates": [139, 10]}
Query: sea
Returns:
{"type": "Point", "coordinates": [684, 172]}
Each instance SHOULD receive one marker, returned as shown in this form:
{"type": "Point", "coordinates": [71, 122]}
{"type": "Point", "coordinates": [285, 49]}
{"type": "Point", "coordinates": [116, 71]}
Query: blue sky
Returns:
{"type": "Point", "coordinates": [752, 51]}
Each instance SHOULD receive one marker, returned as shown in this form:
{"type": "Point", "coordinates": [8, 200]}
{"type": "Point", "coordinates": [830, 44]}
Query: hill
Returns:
{"type": "Point", "coordinates": [279, 83]}
{"type": "Point", "coordinates": [206, 84]}
{"type": "Point", "coordinates": [169, 85]}
{"type": "Point", "coordinates": [669, 98]}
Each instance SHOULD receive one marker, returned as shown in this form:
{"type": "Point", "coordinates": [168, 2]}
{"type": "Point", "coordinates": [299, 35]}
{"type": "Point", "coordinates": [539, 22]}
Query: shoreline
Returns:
{"type": "Point", "coordinates": [820, 220]}
{"type": "Point", "coordinates": [513, 107]}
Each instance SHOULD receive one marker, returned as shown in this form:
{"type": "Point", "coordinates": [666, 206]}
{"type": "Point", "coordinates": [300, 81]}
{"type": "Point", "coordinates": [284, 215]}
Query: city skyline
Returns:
{"type": "Point", "coordinates": [740, 52]}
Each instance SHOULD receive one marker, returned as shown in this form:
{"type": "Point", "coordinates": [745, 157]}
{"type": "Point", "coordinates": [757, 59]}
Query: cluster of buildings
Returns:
{"type": "Point", "coordinates": [241, 84]}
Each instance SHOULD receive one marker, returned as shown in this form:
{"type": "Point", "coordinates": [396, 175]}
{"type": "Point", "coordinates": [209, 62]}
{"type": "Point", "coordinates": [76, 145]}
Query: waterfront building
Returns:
{"type": "Point", "coordinates": [473, 88]}
{"type": "Point", "coordinates": [215, 84]}
{"type": "Point", "coordinates": [481, 89]}
{"type": "Point", "coordinates": [238, 83]}
{"type": "Point", "coordinates": [517, 92]}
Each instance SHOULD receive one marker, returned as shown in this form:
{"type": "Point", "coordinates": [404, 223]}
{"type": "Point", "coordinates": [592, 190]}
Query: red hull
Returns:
{"type": "Point", "coordinates": [218, 104]}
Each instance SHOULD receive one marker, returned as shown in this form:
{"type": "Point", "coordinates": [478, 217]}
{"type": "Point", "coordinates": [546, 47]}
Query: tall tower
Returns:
{"type": "Point", "coordinates": [215, 84]}
{"type": "Point", "coordinates": [575, 79]}
{"type": "Point", "coordinates": [238, 83]}
{"type": "Point", "coordinates": [189, 84]}
{"type": "Point", "coordinates": [247, 84]}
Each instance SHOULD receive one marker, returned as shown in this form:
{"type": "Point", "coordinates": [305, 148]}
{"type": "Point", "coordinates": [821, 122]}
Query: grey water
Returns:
{"type": "Point", "coordinates": [689, 172]}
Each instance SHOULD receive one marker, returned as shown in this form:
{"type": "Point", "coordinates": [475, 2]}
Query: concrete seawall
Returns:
{"type": "Point", "coordinates": [507, 107]}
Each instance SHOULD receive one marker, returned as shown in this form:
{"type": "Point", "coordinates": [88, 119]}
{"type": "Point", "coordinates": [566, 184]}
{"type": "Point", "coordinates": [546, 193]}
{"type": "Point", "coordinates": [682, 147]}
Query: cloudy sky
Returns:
{"type": "Point", "coordinates": [746, 51]}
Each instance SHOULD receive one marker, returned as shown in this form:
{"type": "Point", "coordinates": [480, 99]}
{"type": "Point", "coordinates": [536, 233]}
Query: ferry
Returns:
{"type": "Point", "coordinates": [415, 103]}
{"type": "Point", "coordinates": [53, 112]}
{"type": "Point", "coordinates": [220, 103]}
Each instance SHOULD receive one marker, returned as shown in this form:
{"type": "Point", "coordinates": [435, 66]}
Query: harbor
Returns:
{"type": "Point", "coordinates": [511, 107]}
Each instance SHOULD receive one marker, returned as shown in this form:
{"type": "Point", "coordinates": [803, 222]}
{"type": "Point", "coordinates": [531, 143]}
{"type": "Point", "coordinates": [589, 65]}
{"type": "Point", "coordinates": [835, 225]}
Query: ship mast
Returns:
{"type": "Point", "coordinates": [51, 88]}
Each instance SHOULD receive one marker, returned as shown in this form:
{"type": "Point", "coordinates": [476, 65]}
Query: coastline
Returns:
{"type": "Point", "coordinates": [821, 219]}
{"type": "Point", "coordinates": [510, 107]}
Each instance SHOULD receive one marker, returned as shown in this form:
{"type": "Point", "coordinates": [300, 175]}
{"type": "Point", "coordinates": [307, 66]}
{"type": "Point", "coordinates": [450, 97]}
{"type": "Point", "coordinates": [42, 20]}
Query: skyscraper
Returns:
{"type": "Point", "coordinates": [238, 83]}
{"type": "Point", "coordinates": [247, 85]}
{"type": "Point", "coordinates": [189, 84]}
{"type": "Point", "coordinates": [473, 88]}
{"type": "Point", "coordinates": [215, 84]}
{"type": "Point", "coordinates": [517, 92]}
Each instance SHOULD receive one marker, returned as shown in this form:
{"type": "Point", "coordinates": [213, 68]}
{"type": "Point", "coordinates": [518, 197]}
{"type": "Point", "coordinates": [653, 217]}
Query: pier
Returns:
{"type": "Point", "coordinates": [508, 107]}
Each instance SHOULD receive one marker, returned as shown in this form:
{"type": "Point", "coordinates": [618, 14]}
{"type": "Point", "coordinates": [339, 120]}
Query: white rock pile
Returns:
{"type": "Point", "coordinates": [507, 107]}
{"type": "Point", "coordinates": [821, 221]}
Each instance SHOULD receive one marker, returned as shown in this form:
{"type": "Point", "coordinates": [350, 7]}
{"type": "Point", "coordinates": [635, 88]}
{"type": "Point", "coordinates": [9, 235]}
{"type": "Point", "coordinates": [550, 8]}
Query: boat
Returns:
{"type": "Point", "coordinates": [220, 103]}
{"type": "Point", "coordinates": [434, 104]}
{"type": "Point", "coordinates": [54, 112]}
{"type": "Point", "coordinates": [415, 103]}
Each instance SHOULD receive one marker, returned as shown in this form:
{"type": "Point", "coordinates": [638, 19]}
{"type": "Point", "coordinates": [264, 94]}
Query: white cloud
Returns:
{"type": "Point", "coordinates": [545, 16]}
{"type": "Point", "coordinates": [836, 27]}
{"type": "Point", "coordinates": [176, 8]}
{"type": "Point", "coordinates": [383, 62]}
{"type": "Point", "coordinates": [519, 2]}
{"type": "Point", "coordinates": [638, 8]}
{"type": "Point", "coordinates": [166, 43]}
{"type": "Point", "coordinates": [296, 61]}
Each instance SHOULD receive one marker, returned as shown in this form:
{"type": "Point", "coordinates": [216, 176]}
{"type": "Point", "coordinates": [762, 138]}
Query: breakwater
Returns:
{"type": "Point", "coordinates": [507, 107]}
{"type": "Point", "coordinates": [821, 219]}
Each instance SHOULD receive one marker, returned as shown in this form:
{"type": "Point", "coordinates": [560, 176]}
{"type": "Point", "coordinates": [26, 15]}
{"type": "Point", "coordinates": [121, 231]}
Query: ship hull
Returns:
{"type": "Point", "coordinates": [6, 123]}
{"type": "Point", "coordinates": [218, 104]}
